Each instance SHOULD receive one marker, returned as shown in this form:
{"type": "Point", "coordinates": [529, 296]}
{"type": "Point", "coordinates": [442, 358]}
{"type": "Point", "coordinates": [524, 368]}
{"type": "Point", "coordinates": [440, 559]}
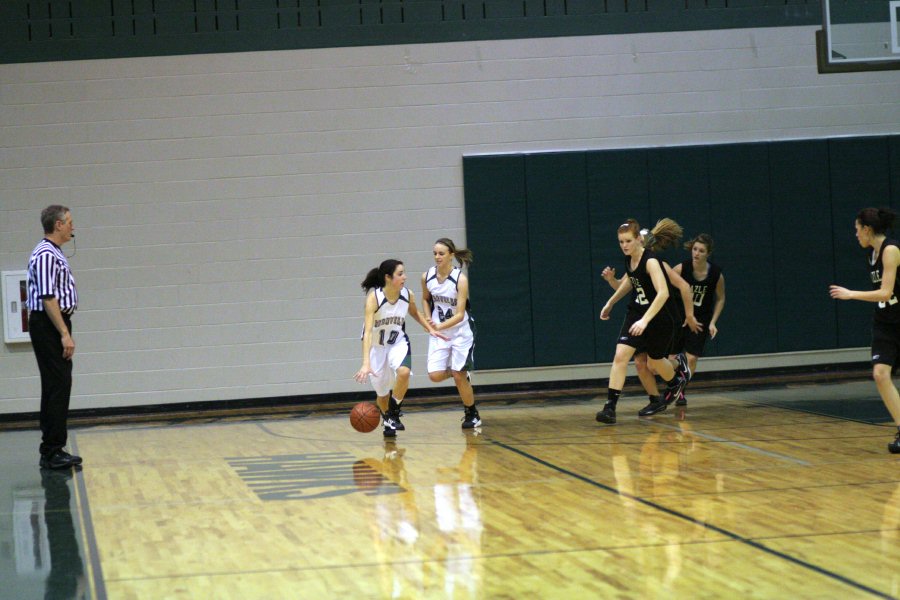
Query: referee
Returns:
{"type": "Point", "coordinates": [52, 301]}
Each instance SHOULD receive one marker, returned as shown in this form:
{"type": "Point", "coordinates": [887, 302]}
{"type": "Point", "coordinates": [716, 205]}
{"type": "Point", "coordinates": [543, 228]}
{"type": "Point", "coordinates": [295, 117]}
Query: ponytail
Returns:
{"type": "Point", "coordinates": [375, 277]}
{"type": "Point", "coordinates": [665, 234]}
{"type": "Point", "coordinates": [462, 255]}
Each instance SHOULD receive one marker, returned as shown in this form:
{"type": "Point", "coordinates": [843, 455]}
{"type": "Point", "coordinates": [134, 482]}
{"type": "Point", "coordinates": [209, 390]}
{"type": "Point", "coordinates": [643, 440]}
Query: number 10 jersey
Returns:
{"type": "Point", "coordinates": [390, 319]}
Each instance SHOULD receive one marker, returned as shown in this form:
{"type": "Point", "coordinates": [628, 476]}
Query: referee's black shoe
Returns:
{"type": "Point", "coordinates": [894, 447]}
{"type": "Point", "coordinates": [60, 459]}
{"type": "Point", "coordinates": [607, 415]}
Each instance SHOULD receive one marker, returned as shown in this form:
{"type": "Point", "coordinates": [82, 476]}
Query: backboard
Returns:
{"type": "Point", "coordinates": [859, 35]}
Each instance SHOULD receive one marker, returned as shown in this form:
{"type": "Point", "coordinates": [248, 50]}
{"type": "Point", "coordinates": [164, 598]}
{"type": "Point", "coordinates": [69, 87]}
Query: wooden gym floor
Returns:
{"type": "Point", "coordinates": [779, 492]}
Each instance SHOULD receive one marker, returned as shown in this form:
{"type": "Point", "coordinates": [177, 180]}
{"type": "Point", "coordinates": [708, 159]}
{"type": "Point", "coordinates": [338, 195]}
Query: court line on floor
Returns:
{"type": "Point", "coordinates": [679, 515]}
{"type": "Point", "coordinates": [727, 442]}
{"type": "Point", "coordinates": [91, 548]}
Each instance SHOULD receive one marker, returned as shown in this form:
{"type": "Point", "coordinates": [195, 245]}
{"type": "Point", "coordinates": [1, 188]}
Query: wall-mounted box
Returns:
{"type": "Point", "coordinates": [15, 313]}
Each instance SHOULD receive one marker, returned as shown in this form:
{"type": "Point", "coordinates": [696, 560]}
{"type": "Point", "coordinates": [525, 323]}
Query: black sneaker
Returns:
{"type": "Point", "coordinates": [390, 426]}
{"type": "Point", "coordinates": [682, 401]}
{"type": "Point", "coordinates": [684, 367]}
{"type": "Point", "coordinates": [653, 408]}
{"type": "Point", "coordinates": [471, 419]}
{"type": "Point", "coordinates": [607, 415]}
{"type": "Point", "coordinates": [671, 394]}
{"type": "Point", "coordinates": [894, 447]}
{"type": "Point", "coordinates": [395, 417]}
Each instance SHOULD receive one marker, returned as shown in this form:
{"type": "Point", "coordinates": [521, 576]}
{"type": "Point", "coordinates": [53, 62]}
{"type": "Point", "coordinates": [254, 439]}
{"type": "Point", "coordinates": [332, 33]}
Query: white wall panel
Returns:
{"type": "Point", "coordinates": [228, 206]}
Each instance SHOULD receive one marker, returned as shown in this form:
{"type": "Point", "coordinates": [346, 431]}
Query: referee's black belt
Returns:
{"type": "Point", "coordinates": [44, 312]}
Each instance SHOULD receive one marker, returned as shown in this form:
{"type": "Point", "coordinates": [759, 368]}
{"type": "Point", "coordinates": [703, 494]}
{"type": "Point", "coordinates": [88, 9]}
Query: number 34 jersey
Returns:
{"type": "Point", "coordinates": [444, 296]}
{"type": "Point", "coordinates": [390, 319]}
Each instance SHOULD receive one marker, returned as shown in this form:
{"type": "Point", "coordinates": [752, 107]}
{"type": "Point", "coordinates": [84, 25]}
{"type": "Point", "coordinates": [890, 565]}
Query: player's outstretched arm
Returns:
{"type": "Point", "coordinates": [365, 370]}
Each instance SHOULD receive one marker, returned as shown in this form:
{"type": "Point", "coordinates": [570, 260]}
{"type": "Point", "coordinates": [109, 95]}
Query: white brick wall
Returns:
{"type": "Point", "coordinates": [227, 206]}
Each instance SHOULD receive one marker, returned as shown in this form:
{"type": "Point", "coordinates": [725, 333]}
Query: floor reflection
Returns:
{"type": "Point", "coordinates": [663, 460]}
{"type": "Point", "coordinates": [65, 580]}
{"type": "Point", "coordinates": [458, 512]}
{"type": "Point", "coordinates": [421, 553]}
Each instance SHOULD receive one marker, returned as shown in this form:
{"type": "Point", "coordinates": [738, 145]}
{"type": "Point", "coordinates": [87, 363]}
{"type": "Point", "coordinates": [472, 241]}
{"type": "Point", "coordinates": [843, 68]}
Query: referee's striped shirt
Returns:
{"type": "Point", "coordinates": [49, 275]}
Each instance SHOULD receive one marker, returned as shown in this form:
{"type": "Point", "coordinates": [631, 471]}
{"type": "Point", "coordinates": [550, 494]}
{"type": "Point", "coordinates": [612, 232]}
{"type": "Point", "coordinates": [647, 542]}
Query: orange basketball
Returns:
{"type": "Point", "coordinates": [365, 417]}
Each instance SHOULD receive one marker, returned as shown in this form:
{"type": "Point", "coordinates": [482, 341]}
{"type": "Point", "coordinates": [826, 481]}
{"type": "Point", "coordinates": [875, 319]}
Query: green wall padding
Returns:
{"type": "Point", "coordinates": [781, 215]}
{"type": "Point", "coordinates": [894, 162]}
{"type": "Point", "coordinates": [859, 177]}
{"type": "Point", "coordinates": [741, 226]}
{"type": "Point", "coordinates": [560, 258]}
{"type": "Point", "coordinates": [499, 278]}
{"type": "Point", "coordinates": [617, 190]}
{"type": "Point", "coordinates": [804, 253]}
{"type": "Point", "coordinates": [679, 189]}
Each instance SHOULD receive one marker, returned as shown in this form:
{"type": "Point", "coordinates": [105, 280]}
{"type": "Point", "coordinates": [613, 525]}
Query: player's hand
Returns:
{"type": "Point", "coordinates": [693, 324]}
{"type": "Point", "coordinates": [435, 333]}
{"type": "Point", "coordinates": [638, 327]}
{"type": "Point", "coordinates": [68, 347]}
{"type": "Point", "coordinates": [839, 293]}
{"type": "Point", "coordinates": [713, 330]}
{"type": "Point", "coordinates": [363, 374]}
{"type": "Point", "coordinates": [604, 312]}
{"type": "Point", "coordinates": [609, 274]}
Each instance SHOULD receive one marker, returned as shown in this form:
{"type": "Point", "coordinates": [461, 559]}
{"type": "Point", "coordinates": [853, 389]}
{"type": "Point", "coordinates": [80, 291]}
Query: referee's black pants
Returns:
{"type": "Point", "coordinates": [56, 379]}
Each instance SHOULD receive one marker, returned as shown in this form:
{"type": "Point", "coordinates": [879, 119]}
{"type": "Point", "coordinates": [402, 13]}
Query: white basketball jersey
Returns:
{"type": "Point", "coordinates": [444, 297]}
{"type": "Point", "coordinates": [390, 319]}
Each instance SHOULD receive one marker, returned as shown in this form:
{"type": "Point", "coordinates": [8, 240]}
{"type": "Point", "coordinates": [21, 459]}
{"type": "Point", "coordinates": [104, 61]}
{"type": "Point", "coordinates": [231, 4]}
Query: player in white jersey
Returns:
{"type": "Point", "coordinates": [445, 296]}
{"type": "Point", "coordinates": [387, 355]}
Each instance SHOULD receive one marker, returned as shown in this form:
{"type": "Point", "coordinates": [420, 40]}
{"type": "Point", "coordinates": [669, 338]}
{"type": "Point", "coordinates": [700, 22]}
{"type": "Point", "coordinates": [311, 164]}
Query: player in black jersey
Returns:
{"type": "Point", "coordinates": [680, 294]}
{"type": "Point", "coordinates": [651, 322]}
{"type": "Point", "coordinates": [708, 295]}
{"type": "Point", "coordinates": [872, 225]}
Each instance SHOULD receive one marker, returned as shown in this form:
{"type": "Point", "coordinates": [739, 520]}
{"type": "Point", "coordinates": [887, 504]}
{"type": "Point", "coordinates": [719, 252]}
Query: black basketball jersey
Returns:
{"type": "Point", "coordinates": [703, 292]}
{"type": "Point", "coordinates": [642, 291]}
{"type": "Point", "coordinates": [886, 312]}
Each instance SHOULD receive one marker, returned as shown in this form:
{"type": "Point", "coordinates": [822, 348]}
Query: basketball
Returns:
{"type": "Point", "coordinates": [365, 417]}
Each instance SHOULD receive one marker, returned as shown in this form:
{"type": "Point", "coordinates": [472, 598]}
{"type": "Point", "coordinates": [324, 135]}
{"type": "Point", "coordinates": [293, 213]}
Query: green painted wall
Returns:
{"type": "Point", "coordinates": [542, 227]}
